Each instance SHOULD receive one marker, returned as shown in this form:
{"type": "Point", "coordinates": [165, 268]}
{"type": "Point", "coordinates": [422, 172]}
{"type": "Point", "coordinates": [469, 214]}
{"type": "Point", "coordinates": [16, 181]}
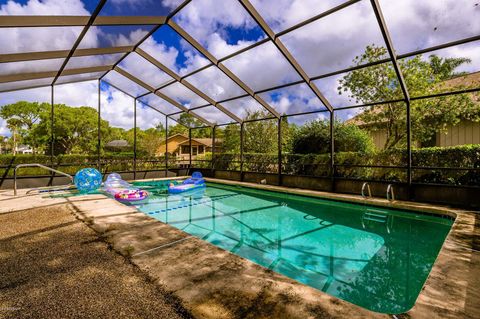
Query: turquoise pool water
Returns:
{"type": "Point", "coordinates": [373, 257]}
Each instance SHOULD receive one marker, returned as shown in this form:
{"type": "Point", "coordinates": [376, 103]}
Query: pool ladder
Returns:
{"type": "Point", "coordinates": [377, 216]}
{"type": "Point", "coordinates": [366, 186]}
{"type": "Point", "coordinates": [390, 193]}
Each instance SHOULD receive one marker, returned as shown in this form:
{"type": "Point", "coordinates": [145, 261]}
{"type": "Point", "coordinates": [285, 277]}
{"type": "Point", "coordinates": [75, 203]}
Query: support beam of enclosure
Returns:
{"type": "Point", "coordinates": [99, 132]}
{"type": "Point", "coordinates": [242, 142]}
{"type": "Point", "coordinates": [263, 41]}
{"type": "Point", "coordinates": [222, 67]}
{"type": "Point", "coordinates": [190, 86]}
{"type": "Point", "coordinates": [332, 149]}
{"type": "Point", "coordinates": [212, 161]}
{"type": "Point", "coordinates": [51, 74]}
{"type": "Point", "coordinates": [285, 52]}
{"type": "Point", "coordinates": [80, 38]}
{"type": "Point", "coordinates": [45, 55]}
{"type": "Point", "coordinates": [163, 96]}
{"type": "Point", "coordinates": [133, 97]}
{"type": "Point", "coordinates": [76, 21]}
{"type": "Point", "coordinates": [134, 138]}
{"type": "Point", "coordinates": [279, 145]}
{"type": "Point", "coordinates": [166, 146]}
{"type": "Point", "coordinates": [154, 29]}
{"type": "Point", "coordinates": [403, 86]}
{"type": "Point", "coordinates": [190, 150]}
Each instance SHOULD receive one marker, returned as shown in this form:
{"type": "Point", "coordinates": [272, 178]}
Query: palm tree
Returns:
{"type": "Point", "coordinates": [14, 125]}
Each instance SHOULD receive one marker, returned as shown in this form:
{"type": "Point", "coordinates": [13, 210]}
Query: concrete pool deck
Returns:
{"type": "Point", "coordinates": [213, 283]}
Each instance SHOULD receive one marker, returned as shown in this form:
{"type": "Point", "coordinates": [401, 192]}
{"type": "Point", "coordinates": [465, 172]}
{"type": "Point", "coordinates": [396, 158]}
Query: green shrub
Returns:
{"type": "Point", "coordinates": [442, 165]}
{"type": "Point", "coordinates": [314, 138]}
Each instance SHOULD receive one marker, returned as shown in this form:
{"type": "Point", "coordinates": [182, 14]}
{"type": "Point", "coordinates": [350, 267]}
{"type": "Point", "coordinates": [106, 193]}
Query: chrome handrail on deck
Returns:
{"type": "Point", "coordinates": [368, 189]}
{"type": "Point", "coordinates": [35, 165]}
{"type": "Point", "coordinates": [390, 192]}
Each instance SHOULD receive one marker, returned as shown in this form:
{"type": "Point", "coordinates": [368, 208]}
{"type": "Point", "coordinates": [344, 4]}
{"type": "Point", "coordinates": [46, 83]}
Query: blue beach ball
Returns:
{"type": "Point", "coordinates": [88, 179]}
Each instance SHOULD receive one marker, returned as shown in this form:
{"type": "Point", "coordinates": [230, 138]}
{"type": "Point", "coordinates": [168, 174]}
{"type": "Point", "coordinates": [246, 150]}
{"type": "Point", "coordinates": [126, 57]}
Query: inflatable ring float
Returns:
{"type": "Point", "coordinates": [131, 195]}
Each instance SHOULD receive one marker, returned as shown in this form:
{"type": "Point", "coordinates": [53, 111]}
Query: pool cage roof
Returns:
{"type": "Point", "coordinates": [217, 85]}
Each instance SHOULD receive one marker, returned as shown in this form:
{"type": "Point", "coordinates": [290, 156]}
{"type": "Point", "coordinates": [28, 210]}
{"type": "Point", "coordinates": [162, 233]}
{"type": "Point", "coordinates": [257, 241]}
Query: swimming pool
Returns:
{"type": "Point", "coordinates": [373, 257]}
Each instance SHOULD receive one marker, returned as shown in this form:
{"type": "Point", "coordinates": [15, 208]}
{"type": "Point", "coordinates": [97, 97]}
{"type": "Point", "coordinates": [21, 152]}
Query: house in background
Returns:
{"type": "Point", "coordinates": [465, 132]}
{"type": "Point", "coordinates": [118, 146]}
{"type": "Point", "coordinates": [24, 149]}
{"type": "Point", "coordinates": [178, 145]}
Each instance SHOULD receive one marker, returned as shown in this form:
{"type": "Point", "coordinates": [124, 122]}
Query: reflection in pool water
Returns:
{"type": "Point", "coordinates": [375, 258]}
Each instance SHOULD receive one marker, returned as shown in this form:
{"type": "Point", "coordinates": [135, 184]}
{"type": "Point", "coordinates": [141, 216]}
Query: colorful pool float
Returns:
{"type": "Point", "coordinates": [195, 182]}
{"type": "Point", "coordinates": [131, 195]}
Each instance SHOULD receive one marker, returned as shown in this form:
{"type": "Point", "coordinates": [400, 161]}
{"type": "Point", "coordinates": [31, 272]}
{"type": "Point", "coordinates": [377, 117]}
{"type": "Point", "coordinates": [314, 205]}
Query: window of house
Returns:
{"type": "Point", "coordinates": [200, 149]}
{"type": "Point", "coordinates": [185, 149]}
{"type": "Point", "coordinates": [194, 150]}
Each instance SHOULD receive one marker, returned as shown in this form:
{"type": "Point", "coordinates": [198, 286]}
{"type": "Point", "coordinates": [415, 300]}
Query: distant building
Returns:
{"type": "Point", "coordinates": [118, 145]}
{"type": "Point", "coordinates": [178, 145]}
{"type": "Point", "coordinates": [24, 149]}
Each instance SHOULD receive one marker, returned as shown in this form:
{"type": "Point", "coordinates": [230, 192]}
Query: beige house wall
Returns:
{"type": "Point", "coordinates": [379, 138]}
{"type": "Point", "coordinates": [175, 144]}
{"type": "Point", "coordinates": [466, 132]}
{"type": "Point", "coordinates": [172, 145]}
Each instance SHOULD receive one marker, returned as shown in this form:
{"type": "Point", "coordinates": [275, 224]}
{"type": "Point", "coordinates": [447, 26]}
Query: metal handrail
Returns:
{"type": "Point", "coordinates": [35, 165]}
{"type": "Point", "coordinates": [368, 189]}
{"type": "Point", "coordinates": [390, 192]}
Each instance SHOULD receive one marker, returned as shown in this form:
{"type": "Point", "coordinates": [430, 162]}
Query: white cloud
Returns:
{"type": "Point", "coordinates": [328, 86]}
{"type": "Point", "coordinates": [213, 115]}
{"type": "Point", "coordinates": [148, 118]}
{"type": "Point", "coordinates": [419, 24]}
{"type": "Point", "coordinates": [16, 40]}
{"type": "Point", "coordinates": [241, 107]}
{"type": "Point", "coordinates": [331, 43]}
{"type": "Point", "coordinates": [144, 70]}
{"type": "Point", "coordinates": [293, 99]}
{"type": "Point", "coordinates": [28, 66]}
{"type": "Point", "coordinates": [124, 84]}
{"type": "Point", "coordinates": [208, 22]}
{"type": "Point", "coordinates": [77, 94]}
{"type": "Point", "coordinates": [164, 54]}
{"type": "Point", "coordinates": [158, 103]}
{"type": "Point", "coordinates": [262, 67]}
{"type": "Point", "coordinates": [126, 39]}
{"type": "Point", "coordinates": [44, 7]}
{"type": "Point", "coordinates": [215, 84]}
{"type": "Point", "coordinates": [92, 60]}
{"type": "Point", "coordinates": [168, 55]}
{"type": "Point", "coordinates": [183, 95]}
{"type": "Point", "coordinates": [281, 14]}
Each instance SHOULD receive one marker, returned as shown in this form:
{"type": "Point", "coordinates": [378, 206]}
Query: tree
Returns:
{"type": "Point", "coordinates": [260, 136]}
{"type": "Point", "coordinates": [23, 117]}
{"type": "Point", "coordinates": [13, 124]}
{"type": "Point", "coordinates": [231, 138]}
{"type": "Point", "coordinates": [75, 129]}
{"type": "Point", "coordinates": [428, 116]}
{"type": "Point", "coordinates": [185, 121]}
{"type": "Point", "coordinates": [150, 140]}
